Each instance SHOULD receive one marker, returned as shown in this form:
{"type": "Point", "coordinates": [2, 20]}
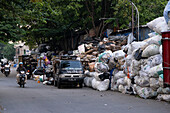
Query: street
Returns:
{"type": "Point", "coordinates": [39, 98]}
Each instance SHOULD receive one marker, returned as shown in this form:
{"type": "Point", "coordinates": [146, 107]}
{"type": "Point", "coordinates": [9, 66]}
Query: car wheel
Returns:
{"type": "Point", "coordinates": [59, 84]}
{"type": "Point", "coordinates": [81, 85]}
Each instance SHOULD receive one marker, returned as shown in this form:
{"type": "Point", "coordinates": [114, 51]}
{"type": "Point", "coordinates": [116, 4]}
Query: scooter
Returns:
{"type": "Point", "coordinates": [28, 74]}
{"type": "Point", "coordinates": [22, 78]}
{"type": "Point", "coordinates": [7, 71]}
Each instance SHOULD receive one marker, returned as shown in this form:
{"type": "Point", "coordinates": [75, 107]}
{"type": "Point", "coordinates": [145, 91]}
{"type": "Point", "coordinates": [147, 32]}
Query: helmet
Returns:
{"type": "Point", "coordinates": [20, 63]}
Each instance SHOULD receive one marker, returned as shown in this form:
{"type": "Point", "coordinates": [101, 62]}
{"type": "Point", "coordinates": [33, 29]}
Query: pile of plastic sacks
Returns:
{"type": "Point", "coordinates": [143, 72]}
{"type": "Point", "coordinates": [136, 69]}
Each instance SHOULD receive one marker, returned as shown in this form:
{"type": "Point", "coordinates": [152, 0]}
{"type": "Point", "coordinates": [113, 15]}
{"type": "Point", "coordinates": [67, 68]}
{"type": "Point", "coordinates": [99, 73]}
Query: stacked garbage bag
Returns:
{"type": "Point", "coordinates": [143, 72]}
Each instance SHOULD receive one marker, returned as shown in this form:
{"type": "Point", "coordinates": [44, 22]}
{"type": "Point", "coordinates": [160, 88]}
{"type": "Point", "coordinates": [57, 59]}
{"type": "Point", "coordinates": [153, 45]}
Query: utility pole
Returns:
{"type": "Point", "coordinates": [132, 19]}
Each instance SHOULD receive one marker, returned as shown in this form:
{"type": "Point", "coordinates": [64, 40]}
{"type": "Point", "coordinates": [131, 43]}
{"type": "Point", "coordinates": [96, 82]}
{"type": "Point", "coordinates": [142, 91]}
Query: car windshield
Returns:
{"type": "Point", "coordinates": [71, 65]}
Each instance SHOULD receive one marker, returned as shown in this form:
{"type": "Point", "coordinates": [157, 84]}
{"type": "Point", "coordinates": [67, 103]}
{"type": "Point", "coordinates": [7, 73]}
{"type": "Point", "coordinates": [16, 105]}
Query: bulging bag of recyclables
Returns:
{"type": "Point", "coordinates": [158, 25]}
{"type": "Point", "coordinates": [153, 72]}
{"type": "Point", "coordinates": [165, 97]}
{"type": "Point", "coordinates": [154, 22]}
{"type": "Point", "coordinates": [154, 60]}
{"type": "Point", "coordinates": [150, 50]}
{"type": "Point", "coordinates": [145, 92]}
{"type": "Point", "coordinates": [104, 57]}
{"type": "Point", "coordinates": [100, 85]}
{"type": "Point", "coordinates": [119, 75]}
{"type": "Point", "coordinates": [118, 54]}
{"type": "Point", "coordinates": [152, 34]}
{"type": "Point", "coordinates": [88, 81]}
{"type": "Point", "coordinates": [161, 90]}
{"type": "Point", "coordinates": [142, 81]}
{"type": "Point", "coordinates": [154, 83]}
{"type": "Point", "coordinates": [137, 45]}
{"type": "Point", "coordinates": [101, 67]}
{"type": "Point", "coordinates": [161, 27]}
{"type": "Point", "coordinates": [154, 40]}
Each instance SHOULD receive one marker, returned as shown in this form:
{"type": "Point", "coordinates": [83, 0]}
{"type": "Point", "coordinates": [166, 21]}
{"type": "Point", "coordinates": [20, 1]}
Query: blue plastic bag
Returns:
{"type": "Point", "coordinates": [166, 10]}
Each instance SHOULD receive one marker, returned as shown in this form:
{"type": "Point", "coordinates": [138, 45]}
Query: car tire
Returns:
{"type": "Point", "coordinates": [58, 84]}
{"type": "Point", "coordinates": [81, 85]}
{"type": "Point", "coordinates": [55, 83]}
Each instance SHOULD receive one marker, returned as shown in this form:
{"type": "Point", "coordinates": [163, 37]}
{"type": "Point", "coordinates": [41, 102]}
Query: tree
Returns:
{"type": "Point", "coordinates": [9, 51]}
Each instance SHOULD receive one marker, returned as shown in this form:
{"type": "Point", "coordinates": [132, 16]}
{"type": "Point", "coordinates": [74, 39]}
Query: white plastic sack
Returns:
{"type": "Point", "coordinates": [122, 89]}
{"type": "Point", "coordinates": [104, 57]}
{"type": "Point", "coordinates": [96, 76]}
{"type": "Point", "coordinates": [136, 66]}
{"type": "Point", "coordinates": [128, 60]}
{"type": "Point", "coordinates": [152, 34]}
{"type": "Point", "coordinates": [120, 81]}
{"type": "Point", "coordinates": [142, 81]}
{"type": "Point", "coordinates": [114, 86]}
{"type": "Point", "coordinates": [154, 60]}
{"type": "Point", "coordinates": [145, 92]}
{"type": "Point", "coordinates": [144, 72]}
{"type": "Point", "coordinates": [137, 45]}
{"type": "Point", "coordinates": [119, 75]}
{"type": "Point", "coordinates": [112, 63]}
{"type": "Point", "coordinates": [154, 40]}
{"type": "Point", "coordinates": [100, 85]}
{"type": "Point", "coordinates": [118, 54]}
{"type": "Point", "coordinates": [153, 71]}
{"type": "Point", "coordinates": [95, 83]}
{"type": "Point", "coordinates": [150, 50]}
{"type": "Point", "coordinates": [104, 85]}
{"type": "Point", "coordinates": [154, 83]}
{"type": "Point", "coordinates": [101, 67]}
{"type": "Point", "coordinates": [164, 97]}
{"type": "Point", "coordinates": [161, 90]}
{"type": "Point", "coordinates": [160, 49]}
{"type": "Point", "coordinates": [127, 81]}
{"type": "Point", "coordinates": [88, 81]}
{"type": "Point", "coordinates": [81, 49]}
{"type": "Point", "coordinates": [161, 27]}
{"type": "Point", "coordinates": [130, 38]}
{"type": "Point", "coordinates": [154, 22]}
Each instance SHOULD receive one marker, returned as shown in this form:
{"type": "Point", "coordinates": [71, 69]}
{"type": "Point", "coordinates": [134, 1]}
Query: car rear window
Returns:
{"type": "Point", "coordinates": [71, 64]}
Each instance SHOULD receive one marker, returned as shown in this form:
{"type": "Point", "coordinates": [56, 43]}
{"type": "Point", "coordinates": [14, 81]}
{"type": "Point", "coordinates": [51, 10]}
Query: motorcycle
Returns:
{"type": "Point", "coordinates": [22, 78]}
{"type": "Point", "coordinates": [7, 71]}
{"type": "Point", "coordinates": [28, 74]}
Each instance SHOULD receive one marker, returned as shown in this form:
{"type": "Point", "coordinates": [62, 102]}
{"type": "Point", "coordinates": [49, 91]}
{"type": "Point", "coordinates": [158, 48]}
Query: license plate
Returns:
{"type": "Point", "coordinates": [6, 69]}
{"type": "Point", "coordinates": [72, 79]}
{"type": "Point", "coordinates": [23, 78]}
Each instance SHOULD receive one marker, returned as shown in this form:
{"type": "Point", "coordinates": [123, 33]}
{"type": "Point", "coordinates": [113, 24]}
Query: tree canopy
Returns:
{"type": "Point", "coordinates": [40, 21]}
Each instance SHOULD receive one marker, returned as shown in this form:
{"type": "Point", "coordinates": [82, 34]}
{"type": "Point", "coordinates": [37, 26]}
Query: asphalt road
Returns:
{"type": "Point", "coordinates": [38, 98]}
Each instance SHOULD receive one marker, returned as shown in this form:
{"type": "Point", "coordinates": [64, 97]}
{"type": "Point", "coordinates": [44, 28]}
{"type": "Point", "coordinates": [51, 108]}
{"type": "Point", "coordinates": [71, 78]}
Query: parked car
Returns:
{"type": "Point", "coordinates": [69, 72]}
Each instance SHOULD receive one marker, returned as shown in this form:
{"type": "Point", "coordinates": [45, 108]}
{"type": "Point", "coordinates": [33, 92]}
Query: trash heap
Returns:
{"type": "Point", "coordinates": [128, 67]}
{"type": "Point", "coordinates": [98, 60]}
{"type": "Point", "coordinates": [143, 72]}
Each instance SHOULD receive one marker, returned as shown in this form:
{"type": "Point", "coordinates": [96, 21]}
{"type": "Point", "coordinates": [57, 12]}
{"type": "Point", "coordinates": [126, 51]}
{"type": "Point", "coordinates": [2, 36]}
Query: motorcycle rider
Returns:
{"type": "Point", "coordinates": [7, 66]}
{"type": "Point", "coordinates": [19, 69]}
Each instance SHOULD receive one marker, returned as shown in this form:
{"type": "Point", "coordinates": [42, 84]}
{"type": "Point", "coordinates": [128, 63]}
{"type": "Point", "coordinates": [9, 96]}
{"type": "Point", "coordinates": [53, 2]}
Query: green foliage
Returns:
{"type": "Point", "coordinates": [9, 52]}
{"type": "Point", "coordinates": [40, 21]}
